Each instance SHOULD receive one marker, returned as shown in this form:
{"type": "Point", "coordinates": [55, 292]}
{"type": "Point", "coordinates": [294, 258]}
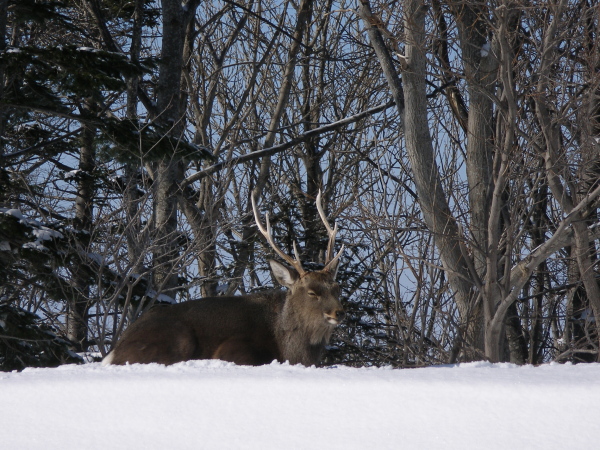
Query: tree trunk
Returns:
{"type": "Point", "coordinates": [77, 318]}
{"type": "Point", "coordinates": [412, 106]}
{"type": "Point", "coordinates": [565, 194]}
{"type": "Point", "coordinates": [480, 74]}
{"type": "Point", "coordinates": [3, 112]}
{"type": "Point", "coordinates": [131, 196]}
{"type": "Point", "coordinates": [169, 170]}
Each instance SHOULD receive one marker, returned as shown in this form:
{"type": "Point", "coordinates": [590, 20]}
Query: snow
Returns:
{"type": "Point", "coordinates": [161, 298]}
{"type": "Point", "coordinates": [41, 232]}
{"type": "Point", "coordinates": [46, 234]}
{"type": "Point", "coordinates": [217, 405]}
{"type": "Point", "coordinates": [13, 212]}
{"type": "Point", "coordinates": [72, 174]}
{"type": "Point", "coordinates": [16, 213]}
{"type": "Point", "coordinates": [96, 257]}
{"type": "Point", "coordinates": [485, 49]}
{"type": "Point", "coordinates": [35, 245]}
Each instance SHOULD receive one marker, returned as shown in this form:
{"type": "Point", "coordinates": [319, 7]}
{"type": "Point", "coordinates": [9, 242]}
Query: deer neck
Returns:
{"type": "Point", "coordinates": [301, 340]}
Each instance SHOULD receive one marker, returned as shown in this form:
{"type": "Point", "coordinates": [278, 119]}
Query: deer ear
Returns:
{"type": "Point", "coordinates": [286, 276]}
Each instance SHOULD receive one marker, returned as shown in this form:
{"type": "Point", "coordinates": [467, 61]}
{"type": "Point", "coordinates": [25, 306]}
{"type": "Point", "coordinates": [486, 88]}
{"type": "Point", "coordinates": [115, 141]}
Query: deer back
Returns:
{"type": "Point", "coordinates": [239, 329]}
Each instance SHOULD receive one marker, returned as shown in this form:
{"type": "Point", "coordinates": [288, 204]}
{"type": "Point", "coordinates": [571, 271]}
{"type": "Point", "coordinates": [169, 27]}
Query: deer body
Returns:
{"type": "Point", "coordinates": [235, 329]}
{"type": "Point", "coordinates": [253, 329]}
{"type": "Point", "coordinates": [293, 325]}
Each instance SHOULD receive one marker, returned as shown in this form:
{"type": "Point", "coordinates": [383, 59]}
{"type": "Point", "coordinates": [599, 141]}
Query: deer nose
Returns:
{"type": "Point", "coordinates": [334, 317]}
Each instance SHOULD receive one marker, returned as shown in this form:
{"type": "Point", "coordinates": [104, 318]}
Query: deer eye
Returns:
{"type": "Point", "coordinates": [312, 293]}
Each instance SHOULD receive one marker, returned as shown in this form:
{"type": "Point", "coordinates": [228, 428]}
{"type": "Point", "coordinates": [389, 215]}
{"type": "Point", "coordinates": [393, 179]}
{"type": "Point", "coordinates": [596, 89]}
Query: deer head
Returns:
{"type": "Point", "coordinates": [318, 290]}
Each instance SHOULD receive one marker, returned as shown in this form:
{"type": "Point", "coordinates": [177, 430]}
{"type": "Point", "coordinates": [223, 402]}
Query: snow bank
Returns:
{"type": "Point", "coordinates": [216, 405]}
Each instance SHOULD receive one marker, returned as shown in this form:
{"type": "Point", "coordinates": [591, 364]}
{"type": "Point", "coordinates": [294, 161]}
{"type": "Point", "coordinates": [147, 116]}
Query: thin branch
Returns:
{"type": "Point", "coordinates": [286, 145]}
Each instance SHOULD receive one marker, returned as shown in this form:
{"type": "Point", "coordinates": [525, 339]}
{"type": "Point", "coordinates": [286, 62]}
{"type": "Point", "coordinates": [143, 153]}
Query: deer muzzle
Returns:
{"type": "Point", "coordinates": [334, 317]}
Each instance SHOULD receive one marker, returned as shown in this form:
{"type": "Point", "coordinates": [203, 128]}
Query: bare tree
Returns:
{"type": "Point", "coordinates": [455, 142]}
{"type": "Point", "coordinates": [488, 277]}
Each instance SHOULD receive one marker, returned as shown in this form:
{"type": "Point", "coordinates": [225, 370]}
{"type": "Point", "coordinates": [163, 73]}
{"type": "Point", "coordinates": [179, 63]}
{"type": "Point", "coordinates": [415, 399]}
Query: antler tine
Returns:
{"type": "Point", "coordinates": [334, 260]}
{"type": "Point", "coordinates": [295, 263]}
{"type": "Point", "coordinates": [330, 232]}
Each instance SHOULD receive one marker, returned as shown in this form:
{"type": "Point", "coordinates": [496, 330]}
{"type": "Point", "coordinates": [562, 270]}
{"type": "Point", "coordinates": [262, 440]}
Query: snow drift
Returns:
{"type": "Point", "coordinates": [217, 405]}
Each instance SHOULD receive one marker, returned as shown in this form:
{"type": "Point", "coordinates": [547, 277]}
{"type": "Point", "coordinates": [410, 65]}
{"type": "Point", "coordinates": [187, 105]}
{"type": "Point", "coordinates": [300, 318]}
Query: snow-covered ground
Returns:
{"type": "Point", "coordinates": [215, 405]}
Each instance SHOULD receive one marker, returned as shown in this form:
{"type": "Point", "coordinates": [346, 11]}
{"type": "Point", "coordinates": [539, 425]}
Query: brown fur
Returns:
{"type": "Point", "coordinates": [253, 329]}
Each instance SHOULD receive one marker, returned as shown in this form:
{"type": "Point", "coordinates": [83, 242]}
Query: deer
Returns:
{"type": "Point", "coordinates": [292, 325]}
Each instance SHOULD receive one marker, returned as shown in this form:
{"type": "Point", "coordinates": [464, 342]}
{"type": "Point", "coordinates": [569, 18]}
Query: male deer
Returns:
{"type": "Point", "coordinates": [293, 325]}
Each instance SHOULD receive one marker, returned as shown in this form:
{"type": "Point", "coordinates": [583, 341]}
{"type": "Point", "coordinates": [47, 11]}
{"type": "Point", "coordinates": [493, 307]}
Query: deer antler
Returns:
{"type": "Point", "coordinates": [295, 263]}
{"type": "Point", "coordinates": [330, 260]}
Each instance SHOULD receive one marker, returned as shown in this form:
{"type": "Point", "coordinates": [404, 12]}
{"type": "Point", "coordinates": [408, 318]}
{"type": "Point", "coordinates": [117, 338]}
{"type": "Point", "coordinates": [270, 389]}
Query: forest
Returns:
{"type": "Point", "coordinates": [456, 144]}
